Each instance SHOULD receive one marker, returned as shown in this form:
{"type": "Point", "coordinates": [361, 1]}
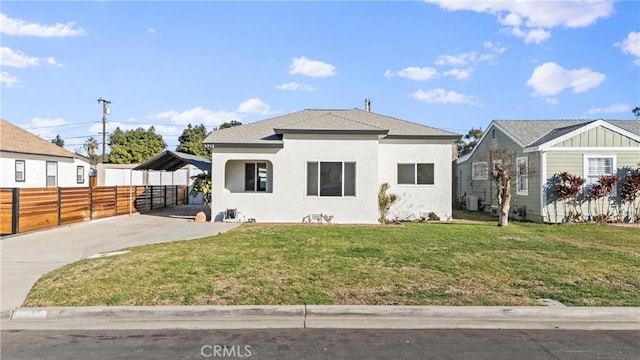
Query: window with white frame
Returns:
{"type": "Point", "coordinates": [522, 176]}
{"type": "Point", "coordinates": [80, 174]}
{"type": "Point", "coordinates": [255, 177]}
{"type": "Point", "coordinates": [331, 178]}
{"type": "Point", "coordinates": [596, 166]}
{"type": "Point", "coordinates": [20, 175]}
{"type": "Point", "coordinates": [416, 174]}
{"type": "Point", "coordinates": [479, 171]}
{"type": "Point", "coordinates": [52, 174]}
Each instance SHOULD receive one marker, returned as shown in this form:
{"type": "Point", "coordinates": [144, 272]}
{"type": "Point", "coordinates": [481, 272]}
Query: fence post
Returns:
{"type": "Point", "coordinates": [165, 195]}
{"type": "Point", "coordinates": [59, 206]}
{"type": "Point", "coordinates": [15, 210]}
{"type": "Point", "coordinates": [90, 202]}
{"type": "Point", "coordinates": [115, 210]}
{"type": "Point", "coordinates": [151, 198]}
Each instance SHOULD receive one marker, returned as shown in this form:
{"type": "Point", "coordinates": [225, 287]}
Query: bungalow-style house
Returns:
{"type": "Point", "coordinates": [28, 160]}
{"type": "Point", "coordinates": [330, 162]}
{"type": "Point", "coordinates": [539, 149]}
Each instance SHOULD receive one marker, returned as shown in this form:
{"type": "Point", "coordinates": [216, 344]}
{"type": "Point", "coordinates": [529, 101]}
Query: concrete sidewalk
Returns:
{"type": "Point", "coordinates": [324, 317]}
{"type": "Point", "coordinates": [27, 257]}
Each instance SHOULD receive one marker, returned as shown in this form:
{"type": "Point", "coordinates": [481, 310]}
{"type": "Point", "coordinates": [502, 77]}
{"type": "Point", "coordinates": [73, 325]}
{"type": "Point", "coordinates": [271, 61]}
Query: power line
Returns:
{"type": "Point", "coordinates": [52, 126]}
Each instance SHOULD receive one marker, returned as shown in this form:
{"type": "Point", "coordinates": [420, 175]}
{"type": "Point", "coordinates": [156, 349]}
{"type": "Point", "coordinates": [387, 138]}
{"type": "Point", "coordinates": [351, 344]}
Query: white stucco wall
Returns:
{"type": "Point", "coordinates": [288, 201]}
{"type": "Point", "coordinates": [36, 170]}
{"type": "Point", "coordinates": [416, 199]}
{"type": "Point", "coordinates": [376, 162]}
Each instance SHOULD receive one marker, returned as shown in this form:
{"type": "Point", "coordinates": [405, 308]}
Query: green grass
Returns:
{"type": "Point", "coordinates": [419, 264]}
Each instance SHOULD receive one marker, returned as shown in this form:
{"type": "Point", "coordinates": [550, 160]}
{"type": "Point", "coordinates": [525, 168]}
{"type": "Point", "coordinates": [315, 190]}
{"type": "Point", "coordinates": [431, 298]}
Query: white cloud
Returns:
{"type": "Point", "coordinates": [460, 74]}
{"type": "Point", "coordinates": [19, 27]}
{"type": "Point", "coordinates": [536, 16]}
{"type": "Point", "coordinates": [631, 45]}
{"type": "Point", "coordinates": [46, 128]}
{"type": "Point", "coordinates": [312, 68]}
{"type": "Point", "coordinates": [551, 101]}
{"type": "Point", "coordinates": [16, 58]}
{"type": "Point", "coordinates": [196, 115]}
{"type": "Point", "coordinates": [8, 79]}
{"type": "Point", "coordinates": [414, 73]}
{"type": "Point", "coordinates": [496, 48]}
{"type": "Point", "coordinates": [443, 96]}
{"type": "Point", "coordinates": [472, 57]}
{"type": "Point", "coordinates": [611, 109]}
{"type": "Point", "coordinates": [551, 78]}
{"type": "Point", "coordinates": [536, 36]}
{"type": "Point", "coordinates": [152, 31]}
{"type": "Point", "coordinates": [254, 105]}
{"type": "Point", "coordinates": [294, 86]}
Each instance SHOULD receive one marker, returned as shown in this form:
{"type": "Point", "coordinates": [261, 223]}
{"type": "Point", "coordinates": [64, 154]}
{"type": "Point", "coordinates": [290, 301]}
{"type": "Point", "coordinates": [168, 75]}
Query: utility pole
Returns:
{"type": "Point", "coordinates": [105, 112]}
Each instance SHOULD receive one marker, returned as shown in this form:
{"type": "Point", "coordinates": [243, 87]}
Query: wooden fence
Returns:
{"type": "Point", "coordinates": [28, 209]}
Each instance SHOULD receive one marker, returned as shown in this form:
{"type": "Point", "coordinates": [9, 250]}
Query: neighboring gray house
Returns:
{"type": "Point", "coordinates": [541, 149]}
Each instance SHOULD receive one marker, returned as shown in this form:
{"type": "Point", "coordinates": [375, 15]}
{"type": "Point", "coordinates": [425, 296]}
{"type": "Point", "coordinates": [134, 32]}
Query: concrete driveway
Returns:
{"type": "Point", "coordinates": [27, 257]}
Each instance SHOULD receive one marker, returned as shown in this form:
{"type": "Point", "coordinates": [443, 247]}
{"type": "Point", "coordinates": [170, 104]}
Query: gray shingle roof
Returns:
{"type": "Point", "coordinates": [18, 140]}
{"type": "Point", "coordinates": [537, 132]}
{"type": "Point", "coordinates": [267, 132]}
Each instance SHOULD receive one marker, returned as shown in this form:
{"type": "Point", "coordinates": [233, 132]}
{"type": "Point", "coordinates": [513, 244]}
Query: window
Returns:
{"type": "Point", "coordinates": [20, 176]}
{"type": "Point", "coordinates": [522, 176]}
{"type": "Point", "coordinates": [596, 166]}
{"type": "Point", "coordinates": [255, 177]}
{"type": "Point", "coordinates": [331, 178]}
{"type": "Point", "coordinates": [480, 171]}
{"type": "Point", "coordinates": [52, 174]}
{"type": "Point", "coordinates": [412, 174]}
{"type": "Point", "coordinates": [80, 174]}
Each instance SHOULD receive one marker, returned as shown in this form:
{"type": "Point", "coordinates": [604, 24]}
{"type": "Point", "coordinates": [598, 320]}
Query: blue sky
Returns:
{"type": "Point", "coordinates": [448, 64]}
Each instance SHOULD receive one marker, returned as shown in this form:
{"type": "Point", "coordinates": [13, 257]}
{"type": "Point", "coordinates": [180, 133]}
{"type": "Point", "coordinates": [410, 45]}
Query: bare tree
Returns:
{"type": "Point", "coordinates": [506, 167]}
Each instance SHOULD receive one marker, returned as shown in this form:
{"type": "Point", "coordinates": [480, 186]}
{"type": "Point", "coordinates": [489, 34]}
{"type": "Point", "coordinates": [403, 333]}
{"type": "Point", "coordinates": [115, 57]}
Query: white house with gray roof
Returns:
{"type": "Point", "coordinates": [29, 161]}
{"type": "Point", "coordinates": [330, 162]}
{"type": "Point", "coordinates": [541, 149]}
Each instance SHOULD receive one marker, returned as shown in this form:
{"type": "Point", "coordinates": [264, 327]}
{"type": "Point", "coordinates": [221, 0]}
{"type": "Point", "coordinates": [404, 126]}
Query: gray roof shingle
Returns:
{"type": "Point", "coordinates": [537, 132]}
{"type": "Point", "coordinates": [266, 132]}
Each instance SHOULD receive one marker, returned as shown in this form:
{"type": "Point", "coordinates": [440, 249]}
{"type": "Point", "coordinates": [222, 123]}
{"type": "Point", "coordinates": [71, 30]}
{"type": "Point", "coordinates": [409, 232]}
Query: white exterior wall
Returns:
{"type": "Point", "coordinates": [416, 199]}
{"type": "Point", "coordinates": [122, 177]}
{"type": "Point", "coordinates": [287, 201]}
{"type": "Point", "coordinates": [36, 170]}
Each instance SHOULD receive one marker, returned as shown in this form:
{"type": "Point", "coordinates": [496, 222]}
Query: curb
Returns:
{"type": "Point", "coordinates": [329, 317]}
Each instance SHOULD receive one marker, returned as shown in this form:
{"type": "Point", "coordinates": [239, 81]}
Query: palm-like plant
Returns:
{"type": "Point", "coordinates": [91, 145]}
{"type": "Point", "coordinates": [384, 202]}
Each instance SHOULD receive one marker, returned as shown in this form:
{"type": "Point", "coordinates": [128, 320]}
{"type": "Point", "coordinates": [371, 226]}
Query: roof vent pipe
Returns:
{"type": "Point", "coordinates": [367, 105]}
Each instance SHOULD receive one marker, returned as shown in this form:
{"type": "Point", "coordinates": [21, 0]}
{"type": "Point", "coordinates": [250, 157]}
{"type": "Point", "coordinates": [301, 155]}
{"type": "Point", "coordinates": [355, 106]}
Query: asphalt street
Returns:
{"type": "Point", "coordinates": [315, 344]}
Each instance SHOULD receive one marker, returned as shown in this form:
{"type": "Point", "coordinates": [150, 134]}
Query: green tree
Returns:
{"type": "Point", "coordinates": [202, 184]}
{"type": "Point", "coordinates": [636, 111]}
{"type": "Point", "coordinates": [229, 124]}
{"type": "Point", "coordinates": [190, 141]}
{"type": "Point", "coordinates": [58, 141]}
{"type": "Point", "coordinates": [134, 146]}
{"type": "Point", "coordinates": [469, 141]}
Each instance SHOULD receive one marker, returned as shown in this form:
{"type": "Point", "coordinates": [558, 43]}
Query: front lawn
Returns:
{"type": "Point", "coordinates": [417, 264]}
